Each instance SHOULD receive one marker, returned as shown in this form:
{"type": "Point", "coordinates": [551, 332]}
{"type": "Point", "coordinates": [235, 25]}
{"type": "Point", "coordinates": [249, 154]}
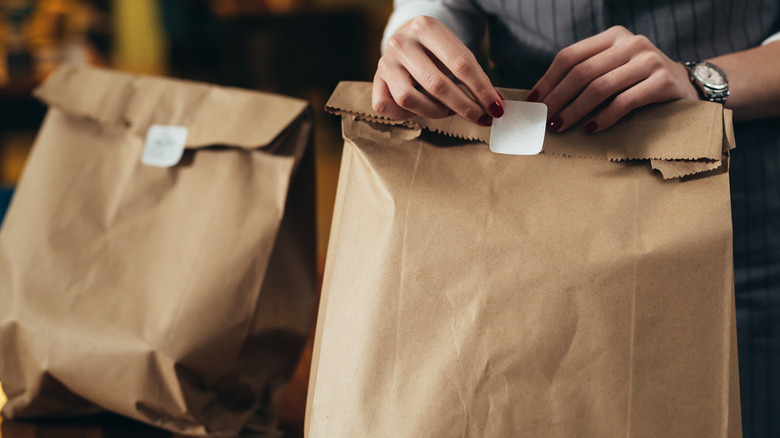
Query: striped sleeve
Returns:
{"type": "Point", "coordinates": [460, 16]}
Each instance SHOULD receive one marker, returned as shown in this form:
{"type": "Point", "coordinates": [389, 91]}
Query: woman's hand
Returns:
{"type": "Point", "coordinates": [616, 65]}
{"type": "Point", "coordinates": [413, 76]}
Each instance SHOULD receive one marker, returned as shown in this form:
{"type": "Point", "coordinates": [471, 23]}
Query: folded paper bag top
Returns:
{"type": "Point", "coordinates": [179, 296]}
{"type": "Point", "coordinates": [213, 115]}
{"type": "Point", "coordinates": [679, 138]}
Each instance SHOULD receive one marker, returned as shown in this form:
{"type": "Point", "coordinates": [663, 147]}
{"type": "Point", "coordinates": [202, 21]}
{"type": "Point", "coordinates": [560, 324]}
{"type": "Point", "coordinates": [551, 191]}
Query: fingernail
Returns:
{"type": "Point", "coordinates": [591, 126]}
{"type": "Point", "coordinates": [501, 96]}
{"type": "Point", "coordinates": [534, 96]}
{"type": "Point", "coordinates": [555, 124]}
{"type": "Point", "coordinates": [496, 110]}
{"type": "Point", "coordinates": [485, 120]}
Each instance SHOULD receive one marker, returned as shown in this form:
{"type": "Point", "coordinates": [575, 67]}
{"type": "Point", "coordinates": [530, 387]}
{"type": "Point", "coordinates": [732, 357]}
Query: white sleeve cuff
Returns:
{"type": "Point", "coordinates": [773, 38]}
{"type": "Point", "coordinates": [454, 19]}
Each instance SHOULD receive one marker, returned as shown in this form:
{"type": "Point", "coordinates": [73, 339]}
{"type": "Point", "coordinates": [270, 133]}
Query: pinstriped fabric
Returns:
{"type": "Point", "coordinates": [573, 19]}
{"type": "Point", "coordinates": [695, 26]}
{"type": "Point", "coordinates": [526, 35]}
{"type": "Point", "coordinates": [533, 31]}
{"type": "Point", "coordinates": [730, 35]}
{"type": "Point", "coordinates": [593, 18]}
{"type": "Point", "coordinates": [654, 22]}
{"type": "Point", "coordinates": [555, 31]}
{"type": "Point", "coordinates": [676, 35]}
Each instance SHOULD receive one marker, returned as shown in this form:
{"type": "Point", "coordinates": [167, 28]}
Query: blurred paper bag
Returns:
{"type": "Point", "coordinates": [576, 293]}
{"type": "Point", "coordinates": [179, 296]}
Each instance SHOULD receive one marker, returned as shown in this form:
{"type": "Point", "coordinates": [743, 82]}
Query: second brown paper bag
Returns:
{"type": "Point", "coordinates": [177, 296]}
{"type": "Point", "coordinates": [583, 292]}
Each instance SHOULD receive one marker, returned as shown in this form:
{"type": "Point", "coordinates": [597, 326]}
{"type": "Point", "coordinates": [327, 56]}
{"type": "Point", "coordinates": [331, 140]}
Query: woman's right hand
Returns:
{"type": "Point", "coordinates": [413, 76]}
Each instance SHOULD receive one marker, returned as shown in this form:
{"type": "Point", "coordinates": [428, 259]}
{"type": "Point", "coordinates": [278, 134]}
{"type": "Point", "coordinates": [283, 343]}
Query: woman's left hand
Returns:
{"type": "Point", "coordinates": [616, 65]}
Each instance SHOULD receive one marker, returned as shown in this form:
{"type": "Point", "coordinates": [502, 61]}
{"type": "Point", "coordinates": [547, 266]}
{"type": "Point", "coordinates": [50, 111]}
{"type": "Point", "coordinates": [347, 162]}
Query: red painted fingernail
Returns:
{"type": "Point", "coordinates": [591, 126]}
{"type": "Point", "coordinates": [496, 110]}
{"type": "Point", "coordinates": [501, 96]}
{"type": "Point", "coordinates": [534, 96]}
{"type": "Point", "coordinates": [485, 120]}
{"type": "Point", "coordinates": [555, 123]}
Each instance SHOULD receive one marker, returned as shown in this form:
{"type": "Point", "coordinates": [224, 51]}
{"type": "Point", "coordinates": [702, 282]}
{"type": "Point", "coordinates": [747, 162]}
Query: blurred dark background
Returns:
{"type": "Point", "coordinates": [299, 48]}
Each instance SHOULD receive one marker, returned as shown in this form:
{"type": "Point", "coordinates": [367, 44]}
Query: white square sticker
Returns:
{"type": "Point", "coordinates": [164, 145]}
{"type": "Point", "coordinates": [521, 130]}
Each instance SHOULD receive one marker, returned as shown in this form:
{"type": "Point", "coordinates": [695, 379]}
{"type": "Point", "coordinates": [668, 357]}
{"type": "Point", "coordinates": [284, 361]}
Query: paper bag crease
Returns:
{"type": "Point", "coordinates": [655, 132]}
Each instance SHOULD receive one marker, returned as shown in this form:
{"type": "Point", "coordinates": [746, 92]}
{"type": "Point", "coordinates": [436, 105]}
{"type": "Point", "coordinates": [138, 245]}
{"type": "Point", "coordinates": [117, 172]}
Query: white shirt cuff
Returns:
{"type": "Point", "coordinates": [408, 10]}
{"type": "Point", "coordinates": [773, 38]}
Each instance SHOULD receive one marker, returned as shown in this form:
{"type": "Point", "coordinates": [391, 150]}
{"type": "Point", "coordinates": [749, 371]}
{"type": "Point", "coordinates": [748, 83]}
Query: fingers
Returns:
{"type": "Point", "coordinates": [574, 55]}
{"type": "Point", "coordinates": [406, 95]}
{"type": "Point", "coordinates": [423, 52]}
{"type": "Point", "coordinates": [602, 89]}
{"type": "Point", "coordinates": [423, 70]}
{"type": "Point", "coordinates": [384, 104]}
{"type": "Point", "coordinates": [459, 60]}
{"type": "Point", "coordinates": [583, 75]}
{"type": "Point", "coordinates": [659, 87]}
{"type": "Point", "coordinates": [626, 70]}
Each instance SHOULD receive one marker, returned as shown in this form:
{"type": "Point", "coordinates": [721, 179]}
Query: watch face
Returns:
{"type": "Point", "coordinates": [709, 76]}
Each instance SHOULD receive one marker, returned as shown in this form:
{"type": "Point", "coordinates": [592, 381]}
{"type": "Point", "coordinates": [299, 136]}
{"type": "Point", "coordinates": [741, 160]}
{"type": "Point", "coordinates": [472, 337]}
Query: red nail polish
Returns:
{"type": "Point", "coordinates": [555, 124]}
{"type": "Point", "coordinates": [485, 120]}
{"type": "Point", "coordinates": [591, 126]}
{"type": "Point", "coordinates": [534, 96]}
{"type": "Point", "coordinates": [496, 110]}
{"type": "Point", "coordinates": [501, 96]}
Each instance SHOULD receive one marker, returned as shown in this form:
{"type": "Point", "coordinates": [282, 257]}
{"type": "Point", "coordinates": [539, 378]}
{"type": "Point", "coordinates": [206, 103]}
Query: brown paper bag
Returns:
{"type": "Point", "coordinates": [177, 296]}
{"type": "Point", "coordinates": [576, 293]}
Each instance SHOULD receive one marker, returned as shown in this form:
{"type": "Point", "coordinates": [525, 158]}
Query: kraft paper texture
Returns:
{"type": "Point", "coordinates": [583, 292]}
{"type": "Point", "coordinates": [176, 296]}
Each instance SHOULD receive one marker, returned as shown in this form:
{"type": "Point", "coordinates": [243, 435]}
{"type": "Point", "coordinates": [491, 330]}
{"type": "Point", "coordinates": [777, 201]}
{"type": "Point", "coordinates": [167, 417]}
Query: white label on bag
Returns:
{"type": "Point", "coordinates": [164, 145]}
{"type": "Point", "coordinates": [521, 130]}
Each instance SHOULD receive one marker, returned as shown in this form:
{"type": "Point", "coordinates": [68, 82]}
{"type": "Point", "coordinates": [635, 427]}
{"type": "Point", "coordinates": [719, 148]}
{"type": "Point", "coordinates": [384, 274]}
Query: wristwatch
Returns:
{"type": "Point", "coordinates": [710, 81]}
